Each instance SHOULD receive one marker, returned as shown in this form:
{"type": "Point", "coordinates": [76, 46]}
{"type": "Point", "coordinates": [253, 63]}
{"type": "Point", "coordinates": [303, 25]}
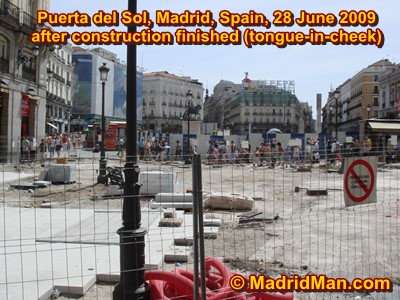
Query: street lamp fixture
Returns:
{"type": "Point", "coordinates": [35, 50]}
{"type": "Point", "coordinates": [189, 104]}
{"type": "Point", "coordinates": [102, 178]}
{"type": "Point", "coordinates": [368, 109]}
{"type": "Point", "coordinates": [24, 59]}
{"type": "Point", "coordinates": [336, 95]}
{"type": "Point", "coordinates": [69, 120]}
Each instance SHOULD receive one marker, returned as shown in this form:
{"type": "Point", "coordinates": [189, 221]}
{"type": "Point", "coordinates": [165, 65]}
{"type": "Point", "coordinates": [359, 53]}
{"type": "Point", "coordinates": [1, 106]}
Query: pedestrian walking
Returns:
{"type": "Point", "coordinates": [178, 150]}
{"type": "Point", "coordinates": [42, 148]}
{"type": "Point", "coordinates": [120, 145]}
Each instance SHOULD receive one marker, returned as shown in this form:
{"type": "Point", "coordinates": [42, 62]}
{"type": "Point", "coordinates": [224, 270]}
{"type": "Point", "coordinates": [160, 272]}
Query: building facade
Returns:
{"type": "Point", "coordinates": [87, 99]}
{"type": "Point", "coordinates": [216, 108]}
{"type": "Point", "coordinates": [365, 95]}
{"type": "Point", "coordinates": [165, 100]}
{"type": "Point", "coordinates": [389, 104]}
{"type": "Point", "coordinates": [60, 87]}
{"type": "Point", "coordinates": [23, 84]}
{"type": "Point", "coordinates": [258, 106]}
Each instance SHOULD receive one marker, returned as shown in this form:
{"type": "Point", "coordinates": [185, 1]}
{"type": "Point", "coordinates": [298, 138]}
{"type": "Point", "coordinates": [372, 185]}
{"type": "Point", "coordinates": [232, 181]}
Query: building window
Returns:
{"type": "Point", "coordinates": [376, 77]}
{"type": "Point", "coordinates": [376, 89]}
{"type": "Point", "coordinates": [3, 48]}
{"type": "Point", "coordinates": [4, 59]}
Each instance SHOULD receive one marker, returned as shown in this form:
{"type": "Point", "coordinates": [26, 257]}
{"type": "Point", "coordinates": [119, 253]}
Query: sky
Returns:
{"type": "Point", "coordinates": [314, 68]}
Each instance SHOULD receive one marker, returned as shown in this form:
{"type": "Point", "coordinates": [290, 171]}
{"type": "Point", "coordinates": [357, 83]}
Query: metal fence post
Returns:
{"type": "Point", "coordinates": [198, 227]}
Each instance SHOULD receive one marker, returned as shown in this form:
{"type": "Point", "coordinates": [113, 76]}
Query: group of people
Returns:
{"type": "Point", "coordinates": [220, 152]}
{"type": "Point", "coordinates": [224, 153]}
{"type": "Point", "coordinates": [266, 154]}
{"type": "Point", "coordinates": [56, 143]}
{"type": "Point", "coordinates": [50, 146]}
{"type": "Point", "coordinates": [154, 149]}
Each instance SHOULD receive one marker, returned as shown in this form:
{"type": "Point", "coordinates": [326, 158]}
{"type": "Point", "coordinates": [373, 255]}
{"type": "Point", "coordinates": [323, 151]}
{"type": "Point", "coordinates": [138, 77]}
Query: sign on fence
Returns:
{"type": "Point", "coordinates": [360, 180]}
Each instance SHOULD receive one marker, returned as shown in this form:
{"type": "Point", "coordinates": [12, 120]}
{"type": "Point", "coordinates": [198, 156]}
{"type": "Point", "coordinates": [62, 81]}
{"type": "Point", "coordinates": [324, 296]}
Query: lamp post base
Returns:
{"type": "Point", "coordinates": [132, 261]}
{"type": "Point", "coordinates": [102, 178]}
{"type": "Point", "coordinates": [121, 293]}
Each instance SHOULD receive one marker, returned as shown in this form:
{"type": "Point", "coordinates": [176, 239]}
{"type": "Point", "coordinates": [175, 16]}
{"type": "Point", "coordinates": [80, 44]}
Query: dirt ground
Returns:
{"type": "Point", "coordinates": [296, 233]}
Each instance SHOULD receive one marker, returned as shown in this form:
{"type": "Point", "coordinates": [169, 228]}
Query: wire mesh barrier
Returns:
{"type": "Point", "coordinates": [256, 218]}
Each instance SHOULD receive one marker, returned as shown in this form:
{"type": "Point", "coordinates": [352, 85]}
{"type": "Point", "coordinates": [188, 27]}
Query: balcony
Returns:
{"type": "Point", "coordinates": [58, 77]}
{"type": "Point", "coordinates": [28, 22]}
{"type": "Point", "coordinates": [10, 12]}
{"type": "Point", "coordinates": [28, 73]}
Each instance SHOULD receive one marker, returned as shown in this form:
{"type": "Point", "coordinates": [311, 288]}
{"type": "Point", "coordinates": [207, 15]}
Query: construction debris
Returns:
{"type": "Point", "coordinates": [228, 201]}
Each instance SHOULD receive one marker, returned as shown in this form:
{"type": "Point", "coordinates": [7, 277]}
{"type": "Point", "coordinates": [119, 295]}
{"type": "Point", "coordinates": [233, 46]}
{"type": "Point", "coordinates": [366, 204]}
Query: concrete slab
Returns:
{"type": "Point", "coordinates": [11, 176]}
{"type": "Point", "coordinates": [99, 228]}
{"type": "Point", "coordinates": [174, 197]}
{"type": "Point", "coordinates": [42, 183]}
{"type": "Point", "coordinates": [24, 186]}
{"type": "Point", "coordinates": [178, 254]}
{"type": "Point", "coordinates": [154, 182]}
{"type": "Point", "coordinates": [177, 205]}
{"type": "Point", "coordinates": [212, 222]}
{"type": "Point", "coordinates": [170, 222]}
{"type": "Point", "coordinates": [67, 249]}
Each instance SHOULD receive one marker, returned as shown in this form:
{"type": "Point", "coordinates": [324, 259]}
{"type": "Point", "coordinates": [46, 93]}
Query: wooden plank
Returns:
{"type": "Point", "coordinates": [250, 214]}
{"type": "Point", "coordinates": [183, 242]}
{"type": "Point", "coordinates": [264, 217]}
{"type": "Point", "coordinates": [317, 192]}
{"type": "Point", "coordinates": [303, 169]}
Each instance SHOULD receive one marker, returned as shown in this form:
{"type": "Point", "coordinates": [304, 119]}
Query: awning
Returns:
{"type": "Point", "coordinates": [31, 97]}
{"type": "Point", "coordinates": [52, 125]}
{"type": "Point", "coordinates": [390, 127]}
{"type": "Point", "coordinates": [36, 98]}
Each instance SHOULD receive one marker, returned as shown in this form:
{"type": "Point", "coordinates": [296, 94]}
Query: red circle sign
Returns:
{"type": "Point", "coordinates": [367, 190]}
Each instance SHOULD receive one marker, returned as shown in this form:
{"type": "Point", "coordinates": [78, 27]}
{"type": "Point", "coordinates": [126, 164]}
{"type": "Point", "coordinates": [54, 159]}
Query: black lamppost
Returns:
{"type": "Point", "coordinates": [336, 95]}
{"type": "Point", "coordinates": [189, 103]}
{"type": "Point", "coordinates": [131, 235]}
{"type": "Point", "coordinates": [102, 178]}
